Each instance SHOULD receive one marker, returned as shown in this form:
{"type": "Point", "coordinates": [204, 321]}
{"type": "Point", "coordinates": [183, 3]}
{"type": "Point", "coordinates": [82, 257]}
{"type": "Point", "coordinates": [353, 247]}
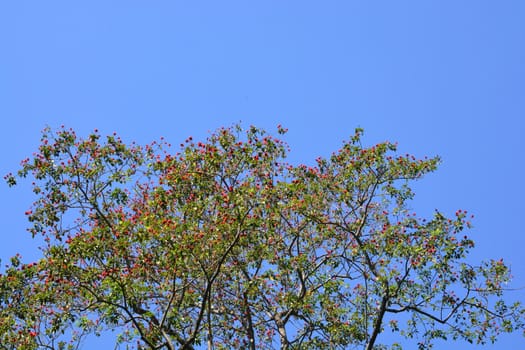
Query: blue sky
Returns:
{"type": "Point", "coordinates": [439, 77]}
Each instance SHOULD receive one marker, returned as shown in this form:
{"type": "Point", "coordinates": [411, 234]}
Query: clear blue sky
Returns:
{"type": "Point", "coordinates": [440, 77]}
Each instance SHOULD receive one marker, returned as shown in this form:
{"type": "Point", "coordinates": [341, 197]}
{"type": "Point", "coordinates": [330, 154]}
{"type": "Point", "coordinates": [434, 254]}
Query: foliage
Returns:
{"type": "Point", "coordinates": [225, 245]}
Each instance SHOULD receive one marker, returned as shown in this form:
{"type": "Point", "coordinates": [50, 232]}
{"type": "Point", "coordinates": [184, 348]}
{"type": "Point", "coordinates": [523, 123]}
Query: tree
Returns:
{"type": "Point", "coordinates": [225, 245]}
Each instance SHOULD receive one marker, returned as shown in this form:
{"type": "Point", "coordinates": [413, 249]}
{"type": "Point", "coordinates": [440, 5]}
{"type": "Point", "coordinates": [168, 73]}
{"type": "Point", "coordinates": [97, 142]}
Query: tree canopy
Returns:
{"type": "Point", "coordinates": [225, 245]}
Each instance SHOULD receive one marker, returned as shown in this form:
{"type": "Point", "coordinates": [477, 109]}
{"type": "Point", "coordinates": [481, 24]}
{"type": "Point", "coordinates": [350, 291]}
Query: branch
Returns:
{"type": "Point", "coordinates": [379, 321]}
